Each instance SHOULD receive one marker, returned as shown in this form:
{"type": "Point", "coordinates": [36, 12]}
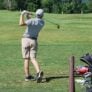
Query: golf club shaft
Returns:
{"type": "Point", "coordinates": [51, 22]}
{"type": "Point", "coordinates": [58, 26]}
{"type": "Point", "coordinates": [47, 20]}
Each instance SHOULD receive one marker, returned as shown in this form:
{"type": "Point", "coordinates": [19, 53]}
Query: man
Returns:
{"type": "Point", "coordinates": [29, 42]}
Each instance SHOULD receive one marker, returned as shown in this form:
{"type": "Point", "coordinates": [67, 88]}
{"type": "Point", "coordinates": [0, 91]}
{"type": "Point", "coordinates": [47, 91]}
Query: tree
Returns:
{"type": "Point", "coordinates": [10, 4]}
{"type": "Point", "coordinates": [1, 4]}
{"type": "Point", "coordinates": [21, 4]}
{"type": "Point", "coordinates": [33, 4]}
{"type": "Point", "coordinates": [89, 5]}
{"type": "Point", "coordinates": [57, 6]}
{"type": "Point", "coordinates": [84, 8]}
{"type": "Point", "coordinates": [47, 5]}
{"type": "Point", "coordinates": [50, 6]}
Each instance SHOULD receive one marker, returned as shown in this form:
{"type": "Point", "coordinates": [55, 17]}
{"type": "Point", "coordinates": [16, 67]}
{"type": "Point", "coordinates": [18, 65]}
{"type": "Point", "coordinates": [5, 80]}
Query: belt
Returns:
{"type": "Point", "coordinates": [33, 38]}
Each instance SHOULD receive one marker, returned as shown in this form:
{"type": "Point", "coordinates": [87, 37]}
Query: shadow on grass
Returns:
{"type": "Point", "coordinates": [48, 79]}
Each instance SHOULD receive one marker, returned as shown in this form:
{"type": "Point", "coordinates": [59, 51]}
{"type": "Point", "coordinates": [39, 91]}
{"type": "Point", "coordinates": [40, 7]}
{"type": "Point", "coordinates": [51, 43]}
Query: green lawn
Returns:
{"type": "Point", "coordinates": [55, 47]}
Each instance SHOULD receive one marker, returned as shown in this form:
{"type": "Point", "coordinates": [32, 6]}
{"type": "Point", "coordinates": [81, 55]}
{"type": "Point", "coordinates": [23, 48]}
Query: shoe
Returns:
{"type": "Point", "coordinates": [28, 78]}
{"type": "Point", "coordinates": [39, 77]}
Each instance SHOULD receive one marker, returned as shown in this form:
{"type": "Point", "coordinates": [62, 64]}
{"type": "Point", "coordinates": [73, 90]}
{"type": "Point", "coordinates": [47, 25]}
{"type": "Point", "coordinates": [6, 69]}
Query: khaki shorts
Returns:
{"type": "Point", "coordinates": [29, 48]}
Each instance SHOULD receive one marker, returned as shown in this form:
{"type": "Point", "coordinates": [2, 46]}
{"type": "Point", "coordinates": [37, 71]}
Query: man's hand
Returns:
{"type": "Point", "coordinates": [22, 17]}
{"type": "Point", "coordinates": [25, 12]}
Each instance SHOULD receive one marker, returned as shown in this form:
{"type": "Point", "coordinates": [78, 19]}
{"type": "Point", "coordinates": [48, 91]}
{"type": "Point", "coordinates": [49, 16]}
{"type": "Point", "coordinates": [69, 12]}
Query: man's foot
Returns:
{"type": "Point", "coordinates": [39, 77]}
{"type": "Point", "coordinates": [28, 78]}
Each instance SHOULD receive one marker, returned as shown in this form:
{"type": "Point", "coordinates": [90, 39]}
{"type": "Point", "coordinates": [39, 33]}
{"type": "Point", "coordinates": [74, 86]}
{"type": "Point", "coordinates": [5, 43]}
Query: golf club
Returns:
{"type": "Point", "coordinates": [57, 25]}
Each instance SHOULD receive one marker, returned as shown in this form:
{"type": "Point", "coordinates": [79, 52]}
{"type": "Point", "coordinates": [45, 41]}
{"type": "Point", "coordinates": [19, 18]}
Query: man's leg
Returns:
{"type": "Point", "coordinates": [33, 52]}
{"type": "Point", "coordinates": [37, 68]}
{"type": "Point", "coordinates": [26, 56]}
{"type": "Point", "coordinates": [26, 70]}
{"type": "Point", "coordinates": [26, 67]}
{"type": "Point", "coordinates": [36, 65]}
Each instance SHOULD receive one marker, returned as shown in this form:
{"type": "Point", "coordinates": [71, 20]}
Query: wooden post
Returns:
{"type": "Point", "coordinates": [71, 74]}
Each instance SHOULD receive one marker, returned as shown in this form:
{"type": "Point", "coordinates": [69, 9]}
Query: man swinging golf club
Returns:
{"type": "Point", "coordinates": [29, 42]}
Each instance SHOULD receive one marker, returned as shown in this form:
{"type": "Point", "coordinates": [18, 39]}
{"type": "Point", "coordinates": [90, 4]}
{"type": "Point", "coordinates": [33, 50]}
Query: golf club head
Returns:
{"type": "Point", "coordinates": [58, 26]}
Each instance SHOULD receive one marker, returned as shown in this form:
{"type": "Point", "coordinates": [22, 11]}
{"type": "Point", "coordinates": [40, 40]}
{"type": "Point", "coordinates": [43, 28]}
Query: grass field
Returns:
{"type": "Point", "coordinates": [55, 47]}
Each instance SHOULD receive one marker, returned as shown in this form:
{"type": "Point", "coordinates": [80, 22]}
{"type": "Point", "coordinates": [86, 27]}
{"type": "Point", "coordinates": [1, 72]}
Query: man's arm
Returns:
{"type": "Point", "coordinates": [22, 17]}
{"type": "Point", "coordinates": [22, 20]}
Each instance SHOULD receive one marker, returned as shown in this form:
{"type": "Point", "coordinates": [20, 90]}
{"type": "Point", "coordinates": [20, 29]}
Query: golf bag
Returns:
{"type": "Point", "coordinates": [87, 58]}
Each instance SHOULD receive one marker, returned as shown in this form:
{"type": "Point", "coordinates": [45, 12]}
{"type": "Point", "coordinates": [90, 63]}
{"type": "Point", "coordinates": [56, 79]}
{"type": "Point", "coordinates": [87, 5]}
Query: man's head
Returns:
{"type": "Point", "coordinates": [39, 13]}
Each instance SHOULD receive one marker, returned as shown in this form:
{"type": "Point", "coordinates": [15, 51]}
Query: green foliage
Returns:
{"type": "Point", "coordinates": [33, 5]}
{"type": "Point", "coordinates": [50, 6]}
{"type": "Point", "coordinates": [90, 5]}
{"type": "Point", "coordinates": [84, 8]}
{"type": "Point", "coordinates": [1, 4]}
{"type": "Point", "coordinates": [10, 4]}
{"type": "Point", "coordinates": [67, 8]}
{"type": "Point", "coordinates": [22, 4]}
{"type": "Point", "coordinates": [47, 5]}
